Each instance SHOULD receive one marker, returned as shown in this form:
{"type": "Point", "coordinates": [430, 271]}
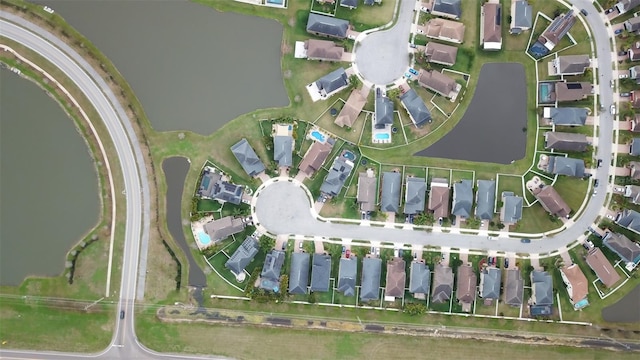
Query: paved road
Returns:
{"type": "Point", "coordinates": [381, 58]}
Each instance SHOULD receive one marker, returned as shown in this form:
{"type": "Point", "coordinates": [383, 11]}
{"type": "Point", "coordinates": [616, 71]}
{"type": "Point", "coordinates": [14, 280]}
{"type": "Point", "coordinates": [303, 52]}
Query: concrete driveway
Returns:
{"type": "Point", "coordinates": [382, 57]}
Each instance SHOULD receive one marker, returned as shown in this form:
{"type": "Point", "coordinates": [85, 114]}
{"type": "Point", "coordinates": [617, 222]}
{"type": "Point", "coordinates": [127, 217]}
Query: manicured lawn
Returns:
{"type": "Point", "coordinates": [535, 220]}
{"type": "Point", "coordinates": [509, 183]}
{"type": "Point", "coordinates": [572, 190]}
{"type": "Point", "coordinates": [367, 17]}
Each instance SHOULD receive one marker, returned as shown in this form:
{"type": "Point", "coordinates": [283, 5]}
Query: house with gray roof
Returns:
{"type": "Point", "coordinates": [415, 107]}
{"type": "Point", "coordinates": [270, 275]}
{"type": "Point", "coordinates": [624, 6]}
{"type": "Point", "coordinates": [419, 279]}
{"type": "Point", "coordinates": [485, 199]}
{"type": "Point", "coordinates": [347, 275]}
{"type": "Point", "coordinates": [213, 187]}
{"type": "Point", "coordinates": [351, 4]}
{"type": "Point", "coordinates": [541, 293]}
{"type": "Point", "coordinates": [634, 169]}
{"type": "Point", "coordinates": [634, 149]}
{"type": "Point", "coordinates": [462, 198]}
{"type": "Point", "coordinates": [566, 116]}
{"type": "Point", "coordinates": [447, 8]}
{"type": "Point", "coordinates": [630, 219]}
{"type": "Point", "coordinates": [562, 141]}
{"type": "Point", "coordinates": [371, 271]}
{"type": "Point", "coordinates": [569, 65]}
{"type": "Point", "coordinates": [367, 189]}
{"type": "Point", "coordinates": [299, 273]}
{"type": "Point", "coordinates": [560, 165]}
{"type": "Point", "coordinates": [442, 284]}
{"type": "Point", "coordinates": [490, 279]}
{"type": "Point", "coordinates": [521, 16]}
{"type": "Point", "coordinates": [321, 25]}
{"type": "Point", "coordinates": [221, 229]}
{"type": "Point", "coordinates": [390, 197]}
{"type": "Point", "coordinates": [332, 82]}
{"type": "Point", "coordinates": [632, 25]}
{"type": "Point", "coordinates": [620, 244]}
{"type": "Point", "coordinates": [207, 181]}
{"type": "Point", "coordinates": [283, 150]}
{"type": "Point", "coordinates": [383, 111]}
{"type": "Point", "coordinates": [243, 255]}
{"type": "Point", "coordinates": [514, 288]}
{"type": "Point", "coordinates": [320, 272]}
{"type": "Point", "coordinates": [396, 278]}
{"type": "Point", "coordinates": [247, 158]}
{"type": "Point", "coordinates": [511, 211]}
{"type": "Point", "coordinates": [340, 171]}
{"type": "Point", "coordinates": [632, 192]}
{"type": "Point", "coordinates": [415, 195]}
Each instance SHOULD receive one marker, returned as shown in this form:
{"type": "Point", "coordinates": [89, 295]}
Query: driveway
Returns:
{"type": "Point", "coordinates": [382, 57]}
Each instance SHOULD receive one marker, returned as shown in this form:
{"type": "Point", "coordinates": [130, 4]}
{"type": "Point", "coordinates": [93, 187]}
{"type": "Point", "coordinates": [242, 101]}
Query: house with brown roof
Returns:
{"type": "Point", "coordinates": [439, 198]}
{"type": "Point", "coordinates": [552, 201]}
{"type": "Point", "coordinates": [323, 50]}
{"type": "Point", "coordinates": [558, 28]}
{"type": "Point", "coordinates": [445, 30]}
{"type": "Point", "coordinates": [221, 229]}
{"type": "Point", "coordinates": [367, 189]}
{"type": "Point", "coordinates": [514, 288]}
{"type": "Point", "coordinates": [602, 267]}
{"type": "Point", "coordinates": [634, 169]}
{"type": "Point", "coordinates": [634, 52]}
{"type": "Point", "coordinates": [629, 251]}
{"type": "Point", "coordinates": [442, 284]}
{"type": "Point", "coordinates": [466, 288]}
{"type": "Point", "coordinates": [569, 65]}
{"type": "Point", "coordinates": [576, 284]}
{"type": "Point", "coordinates": [491, 25]}
{"type": "Point", "coordinates": [573, 91]}
{"type": "Point", "coordinates": [315, 156]}
{"type": "Point", "coordinates": [438, 83]}
{"type": "Point", "coordinates": [635, 99]}
{"type": "Point", "coordinates": [441, 54]}
{"type": "Point", "coordinates": [351, 109]}
{"type": "Point", "coordinates": [635, 123]}
{"type": "Point", "coordinates": [632, 192]}
{"type": "Point", "coordinates": [633, 24]}
{"type": "Point", "coordinates": [396, 278]}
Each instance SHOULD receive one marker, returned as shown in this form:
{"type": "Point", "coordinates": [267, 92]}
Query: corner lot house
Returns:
{"type": "Point", "coordinates": [323, 50]}
{"type": "Point", "coordinates": [299, 273]}
{"type": "Point", "coordinates": [462, 198]}
{"type": "Point", "coordinates": [447, 8]}
{"type": "Point", "coordinates": [396, 278]}
{"type": "Point", "coordinates": [247, 158]}
{"type": "Point", "coordinates": [514, 288]}
{"type": "Point", "coordinates": [439, 198]}
{"type": "Point", "coordinates": [416, 108]}
{"type": "Point", "coordinates": [223, 228]}
{"type": "Point", "coordinates": [573, 91]}
{"type": "Point", "coordinates": [438, 83]}
{"type": "Point", "coordinates": [569, 65]}
{"type": "Point", "coordinates": [630, 219]}
{"type": "Point", "coordinates": [315, 156]}
{"type": "Point", "coordinates": [243, 255]}
{"type": "Point", "coordinates": [283, 150]}
{"type": "Point", "coordinates": [445, 30]}
{"type": "Point", "coordinates": [327, 26]}
{"type": "Point", "coordinates": [390, 197]}
{"type": "Point", "coordinates": [213, 187]}
{"type": "Point", "coordinates": [521, 16]}
{"type": "Point", "coordinates": [561, 165]}
{"type": "Point", "coordinates": [541, 293]}
{"type": "Point", "coordinates": [552, 201]}
{"type": "Point", "coordinates": [576, 284]}
{"type": "Point", "coordinates": [485, 199]}
{"type": "Point", "coordinates": [347, 275]}
{"type": "Point", "coordinates": [419, 280]}
{"type": "Point", "coordinates": [628, 250]}
{"type": "Point", "coordinates": [441, 54]}
{"type": "Point", "coordinates": [328, 85]}
{"type": "Point", "coordinates": [371, 271]}
{"type": "Point", "coordinates": [511, 211]}
{"type": "Point", "coordinates": [466, 289]}
{"type": "Point", "coordinates": [562, 141]}
{"type": "Point", "coordinates": [491, 25]}
{"type": "Point", "coordinates": [340, 171]}
{"type": "Point", "coordinates": [557, 30]}
{"type": "Point", "coordinates": [568, 116]}
{"type": "Point", "coordinates": [414, 196]}
{"type": "Point", "coordinates": [602, 267]}
{"type": "Point", "coordinates": [442, 284]}
{"type": "Point", "coordinates": [367, 189]}
{"type": "Point", "coordinates": [270, 275]}
{"type": "Point", "coordinates": [320, 272]}
{"type": "Point", "coordinates": [490, 280]}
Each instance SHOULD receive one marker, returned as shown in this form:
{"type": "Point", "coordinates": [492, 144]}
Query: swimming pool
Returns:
{"type": "Point", "coordinates": [349, 155]}
{"type": "Point", "coordinates": [382, 136]}
{"type": "Point", "coordinates": [545, 91]}
{"type": "Point", "coordinates": [318, 136]}
{"type": "Point", "coordinates": [279, 2]}
{"type": "Point", "coordinates": [580, 304]}
{"type": "Point", "coordinates": [204, 238]}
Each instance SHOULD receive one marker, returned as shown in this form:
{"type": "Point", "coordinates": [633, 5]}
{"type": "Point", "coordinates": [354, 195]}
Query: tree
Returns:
{"type": "Point", "coordinates": [267, 243]}
{"type": "Point", "coordinates": [424, 219]}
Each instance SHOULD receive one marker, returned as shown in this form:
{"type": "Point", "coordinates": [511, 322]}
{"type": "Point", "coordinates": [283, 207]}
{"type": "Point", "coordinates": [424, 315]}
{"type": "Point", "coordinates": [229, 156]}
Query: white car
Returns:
{"type": "Point", "coordinates": [48, 9]}
{"type": "Point", "coordinates": [623, 76]}
{"type": "Point", "coordinates": [613, 109]}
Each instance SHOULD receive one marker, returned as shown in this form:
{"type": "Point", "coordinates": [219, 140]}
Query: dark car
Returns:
{"type": "Point", "coordinates": [525, 241]}
{"type": "Point", "coordinates": [625, 94]}
{"type": "Point", "coordinates": [506, 263]}
{"type": "Point", "coordinates": [596, 183]}
{"type": "Point", "coordinates": [440, 221]}
{"type": "Point", "coordinates": [618, 32]}
{"type": "Point", "coordinates": [121, 314]}
{"type": "Point", "coordinates": [584, 12]}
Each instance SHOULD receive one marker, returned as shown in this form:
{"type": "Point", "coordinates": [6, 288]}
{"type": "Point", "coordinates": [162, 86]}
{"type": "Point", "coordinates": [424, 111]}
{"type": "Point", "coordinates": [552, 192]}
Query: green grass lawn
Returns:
{"type": "Point", "coordinates": [572, 190]}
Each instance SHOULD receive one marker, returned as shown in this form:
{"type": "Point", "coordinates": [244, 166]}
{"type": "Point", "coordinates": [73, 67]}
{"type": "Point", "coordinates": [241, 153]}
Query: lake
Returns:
{"type": "Point", "coordinates": [191, 67]}
{"type": "Point", "coordinates": [49, 193]}
{"type": "Point", "coordinates": [491, 129]}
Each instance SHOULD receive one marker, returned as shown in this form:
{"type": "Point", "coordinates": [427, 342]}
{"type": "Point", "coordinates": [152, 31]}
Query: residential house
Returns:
{"type": "Point", "coordinates": [416, 108]}
{"type": "Point", "coordinates": [634, 149]}
{"type": "Point", "coordinates": [634, 170]}
{"type": "Point", "coordinates": [624, 6]}
{"type": "Point", "coordinates": [629, 251]}
{"type": "Point", "coordinates": [383, 111]}
{"type": "Point", "coordinates": [243, 255]}
{"type": "Point", "coordinates": [632, 192]}
{"type": "Point", "coordinates": [566, 116]}
{"type": "Point", "coordinates": [634, 72]}
{"type": "Point", "coordinates": [541, 293]}
{"type": "Point", "coordinates": [390, 197]}
{"type": "Point", "coordinates": [270, 274]}
{"type": "Point", "coordinates": [634, 51]}
{"type": "Point", "coordinates": [491, 25]}
{"type": "Point", "coordinates": [367, 188]}
{"type": "Point", "coordinates": [338, 174]}
{"type": "Point", "coordinates": [573, 91]}
{"type": "Point", "coordinates": [315, 156]}
{"type": "Point", "coordinates": [438, 83]}
{"type": "Point", "coordinates": [347, 275]}
{"type": "Point", "coordinates": [221, 229]}
{"type": "Point", "coordinates": [439, 198]}
{"type": "Point", "coordinates": [462, 198]}
{"type": "Point", "coordinates": [562, 141]}
{"type": "Point", "coordinates": [635, 122]}
{"type": "Point", "coordinates": [558, 28]}
{"type": "Point", "coordinates": [320, 272]}
{"type": "Point", "coordinates": [447, 8]}
{"type": "Point", "coordinates": [441, 54]}
{"type": "Point", "coordinates": [396, 278]}
{"type": "Point", "coordinates": [552, 202]}
{"type": "Point", "coordinates": [351, 4]}
{"type": "Point", "coordinates": [485, 199]}
{"type": "Point", "coordinates": [490, 280]}
{"type": "Point", "coordinates": [323, 50]}
{"type": "Point", "coordinates": [207, 181]}
{"type": "Point", "coordinates": [283, 150]}
{"type": "Point", "coordinates": [514, 288]}
{"type": "Point", "coordinates": [442, 284]}
{"type": "Point", "coordinates": [602, 267]}
{"type": "Point", "coordinates": [415, 194]}
{"type": "Point", "coordinates": [632, 25]}
{"type": "Point", "coordinates": [371, 271]}
{"type": "Point", "coordinates": [332, 83]}
{"type": "Point", "coordinates": [213, 187]}
{"type": "Point", "coordinates": [511, 211]}
{"type": "Point", "coordinates": [371, 2]}
{"type": "Point", "coordinates": [327, 26]}
{"type": "Point", "coordinates": [576, 284]}
{"type": "Point", "coordinates": [299, 273]}
{"type": "Point", "coordinates": [560, 165]}
{"type": "Point", "coordinates": [351, 109]}
{"type": "Point", "coordinates": [569, 65]}
{"type": "Point", "coordinates": [635, 99]}
{"type": "Point", "coordinates": [521, 16]}
{"type": "Point", "coordinates": [630, 219]}
{"type": "Point", "coordinates": [419, 279]}
{"type": "Point", "coordinates": [445, 30]}
{"type": "Point", "coordinates": [466, 286]}
{"type": "Point", "coordinates": [247, 158]}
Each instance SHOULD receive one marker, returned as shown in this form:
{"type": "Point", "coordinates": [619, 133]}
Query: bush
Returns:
{"type": "Point", "coordinates": [414, 309]}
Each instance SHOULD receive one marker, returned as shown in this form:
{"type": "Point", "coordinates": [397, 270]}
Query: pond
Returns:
{"type": "Point", "coordinates": [492, 128]}
{"type": "Point", "coordinates": [191, 67]}
{"type": "Point", "coordinates": [625, 310]}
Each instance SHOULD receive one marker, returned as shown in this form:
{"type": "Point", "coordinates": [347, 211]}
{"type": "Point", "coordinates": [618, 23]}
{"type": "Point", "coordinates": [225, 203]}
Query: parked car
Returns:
{"type": "Point", "coordinates": [413, 71]}
{"type": "Point", "coordinates": [347, 254]}
{"type": "Point", "coordinates": [440, 221]}
{"type": "Point", "coordinates": [301, 243]}
{"type": "Point", "coordinates": [613, 109]}
{"type": "Point", "coordinates": [622, 53]}
{"type": "Point", "coordinates": [284, 245]}
{"type": "Point", "coordinates": [618, 32]}
{"type": "Point", "coordinates": [453, 220]}
{"type": "Point", "coordinates": [599, 162]}
{"type": "Point", "coordinates": [344, 249]}
{"type": "Point", "coordinates": [623, 76]}
{"type": "Point", "coordinates": [584, 12]}
{"type": "Point", "coordinates": [48, 9]}
{"type": "Point", "coordinates": [506, 263]}
{"type": "Point", "coordinates": [613, 83]}
{"type": "Point", "coordinates": [596, 183]}
{"type": "Point", "coordinates": [625, 94]}
{"type": "Point", "coordinates": [525, 241]}
{"type": "Point", "coordinates": [595, 192]}
{"type": "Point", "coordinates": [413, 46]}
{"type": "Point", "coordinates": [121, 314]}
{"type": "Point", "coordinates": [608, 11]}
{"type": "Point", "coordinates": [407, 75]}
